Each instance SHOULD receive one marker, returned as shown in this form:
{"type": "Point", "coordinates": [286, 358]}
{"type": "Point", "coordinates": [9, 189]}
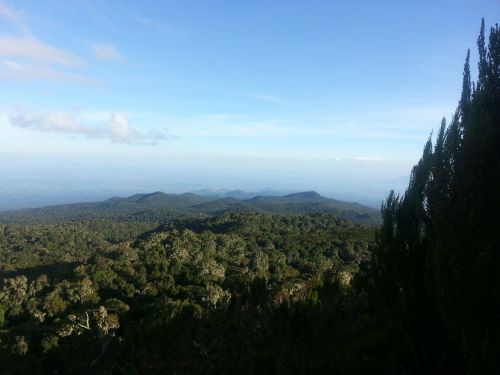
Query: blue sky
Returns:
{"type": "Point", "coordinates": [103, 97]}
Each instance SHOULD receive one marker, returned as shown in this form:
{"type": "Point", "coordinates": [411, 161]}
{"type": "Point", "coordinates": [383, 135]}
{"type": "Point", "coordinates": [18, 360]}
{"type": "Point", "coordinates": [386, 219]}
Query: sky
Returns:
{"type": "Point", "coordinates": [102, 98]}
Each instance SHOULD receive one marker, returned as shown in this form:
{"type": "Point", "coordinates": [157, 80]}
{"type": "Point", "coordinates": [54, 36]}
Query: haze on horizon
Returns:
{"type": "Point", "coordinates": [103, 98]}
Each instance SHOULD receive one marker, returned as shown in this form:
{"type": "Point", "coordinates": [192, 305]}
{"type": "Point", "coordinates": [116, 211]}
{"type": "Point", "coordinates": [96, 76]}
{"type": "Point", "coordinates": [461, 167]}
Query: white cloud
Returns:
{"type": "Point", "coordinates": [105, 51]}
{"type": "Point", "coordinates": [32, 49]}
{"type": "Point", "coordinates": [13, 16]}
{"type": "Point", "coordinates": [120, 130]}
{"type": "Point", "coordinates": [24, 56]}
{"type": "Point", "coordinates": [117, 129]}
{"type": "Point", "coordinates": [14, 70]}
{"type": "Point", "coordinates": [48, 122]}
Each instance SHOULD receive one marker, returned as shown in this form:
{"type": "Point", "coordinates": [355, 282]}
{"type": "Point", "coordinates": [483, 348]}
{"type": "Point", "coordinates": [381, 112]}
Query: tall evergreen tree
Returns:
{"type": "Point", "coordinates": [466, 90]}
{"type": "Point", "coordinates": [482, 64]}
{"type": "Point", "coordinates": [443, 236]}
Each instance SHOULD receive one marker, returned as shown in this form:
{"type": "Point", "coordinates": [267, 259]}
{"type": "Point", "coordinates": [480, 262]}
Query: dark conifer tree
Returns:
{"type": "Point", "coordinates": [466, 90]}
{"type": "Point", "coordinates": [443, 236]}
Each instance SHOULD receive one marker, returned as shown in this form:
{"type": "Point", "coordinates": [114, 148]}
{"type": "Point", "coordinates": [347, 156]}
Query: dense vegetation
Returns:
{"type": "Point", "coordinates": [181, 295]}
{"type": "Point", "coordinates": [219, 291]}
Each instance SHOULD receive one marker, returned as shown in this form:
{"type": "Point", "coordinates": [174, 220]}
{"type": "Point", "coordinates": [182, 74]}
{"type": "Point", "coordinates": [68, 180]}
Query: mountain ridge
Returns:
{"type": "Point", "coordinates": [160, 206]}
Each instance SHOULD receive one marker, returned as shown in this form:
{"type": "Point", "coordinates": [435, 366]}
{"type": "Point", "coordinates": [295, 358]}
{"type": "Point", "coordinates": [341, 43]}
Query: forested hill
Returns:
{"type": "Point", "coordinates": [159, 207]}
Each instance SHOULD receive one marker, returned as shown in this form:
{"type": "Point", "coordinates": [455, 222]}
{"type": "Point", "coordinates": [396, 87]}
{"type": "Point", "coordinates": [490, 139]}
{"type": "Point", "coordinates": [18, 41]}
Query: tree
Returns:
{"type": "Point", "coordinates": [438, 250]}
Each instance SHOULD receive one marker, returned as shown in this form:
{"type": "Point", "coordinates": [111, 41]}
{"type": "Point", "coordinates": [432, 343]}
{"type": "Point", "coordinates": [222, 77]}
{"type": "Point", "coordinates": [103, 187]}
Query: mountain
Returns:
{"type": "Point", "coordinates": [238, 194]}
{"type": "Point", "coordinates": [159, 206]}
{"type": "Point", "coordinates": [305, 196]}
{"type": "Point", "coordinates": [156, 200]}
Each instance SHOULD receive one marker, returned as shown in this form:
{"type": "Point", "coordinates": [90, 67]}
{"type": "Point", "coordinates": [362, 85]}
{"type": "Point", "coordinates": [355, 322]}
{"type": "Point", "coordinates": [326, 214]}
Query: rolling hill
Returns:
{"type": "Point", "coordinates": [159, 206]}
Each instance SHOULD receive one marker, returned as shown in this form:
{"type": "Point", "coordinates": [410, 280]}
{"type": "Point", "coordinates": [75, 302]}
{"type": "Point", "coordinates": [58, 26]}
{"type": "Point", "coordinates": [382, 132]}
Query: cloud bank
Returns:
{"type": "Point", "coordinates": [117, 129]}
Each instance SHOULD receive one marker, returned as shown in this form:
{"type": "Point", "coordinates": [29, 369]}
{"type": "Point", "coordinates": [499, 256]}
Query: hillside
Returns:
{"type": "Point", "coordinates": [159, 207]}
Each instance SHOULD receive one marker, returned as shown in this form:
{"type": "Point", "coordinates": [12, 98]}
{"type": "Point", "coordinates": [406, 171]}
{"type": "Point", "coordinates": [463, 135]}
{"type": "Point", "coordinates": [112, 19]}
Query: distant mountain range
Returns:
{"type": "Point", "coordinates": [238, 194]}
{"type": "Point", "coordinates": [160, 206]}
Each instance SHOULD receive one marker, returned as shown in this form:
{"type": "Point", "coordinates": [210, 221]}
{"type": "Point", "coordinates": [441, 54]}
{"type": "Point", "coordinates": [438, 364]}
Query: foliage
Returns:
{"type": "Point", "coordinates": [436, 267]}
{"type": "Point", "coordinates": [82, 291]}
